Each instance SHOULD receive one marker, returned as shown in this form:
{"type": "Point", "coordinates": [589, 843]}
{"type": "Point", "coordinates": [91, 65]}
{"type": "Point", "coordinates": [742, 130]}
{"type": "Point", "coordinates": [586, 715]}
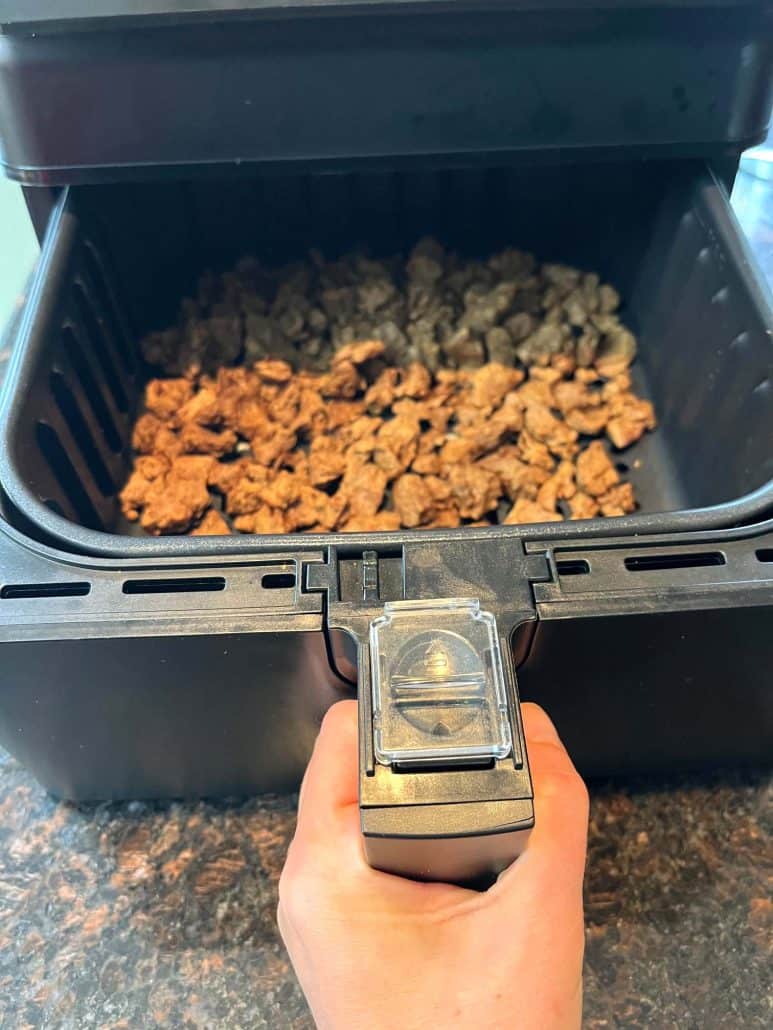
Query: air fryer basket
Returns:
{"type": "Point", "coordinates": [117, 260]}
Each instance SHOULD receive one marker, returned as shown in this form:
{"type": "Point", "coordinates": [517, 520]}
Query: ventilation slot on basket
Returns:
{"type": "Point", "coordinates": [18, 591]}
{"type": "Point", "coordinates": [76, 423]}
{"type": "Point", "coordinates": [573, 567]}
{"type": "Point", "coordinates": [191, 585]}
{"type": "Point", "coordinates": [107, 308]}
{"type": "Point", "coordinates": [659, 562]}
{"type": "Point", "coordinates": [93, 392]}
{"type": "Point", "coordinates": [99, 346]}
{"type": "Point", "coordinates": [765, 554]}
{"type": "Point", "coordinates": [278, 581]}
{"type": "Point", "coordinates": [62, 469]}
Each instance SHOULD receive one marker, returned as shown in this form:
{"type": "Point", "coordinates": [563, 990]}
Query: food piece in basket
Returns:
{"type": "Point", "coordinates": [380, 394]}
{"type": "Point", "coordinates": [415, 382]}
{"type": "Point", "coordinates": [174, 502]}
{"type": "Point", "coordinates": [245, 496]}
{"type": "Point", "coordinates": [273, 448]}
{"type": "Point", "coordinates": [475, 489]}
{"type": "Point", "coordinates": [490, 385]}
{"type": "Point", "coordinates": [582, 506]}
{"type": "Point", "coordinates": [272, 370]}
{"type": "Point", "coordinates": [314, 509]}
{"type": "Point", "coordinates": [525, 510]}
{"type": "Point", "coordinates": [413, 500]}
{"type": "Point", "coordinates": [343, 380]}
{"type": "Point", "coordinates": [615, 352]}
{"type": "Point", "coordinates": [362, 489]}
{"type": "Point", "coordinates": [595, 472]}
{"type": "Point", "coordinates": [146, 429]}
{"type": "Point", "coordinates": [165, 397]}
{"type": "Point", "coordinates": [560, 486]}
{"type": "Point", "coordinates": [560, 439]}
{"type": "Point", "coordinates": [573, 395]}
{"type": "Point", "coordinates": [588, 421]}
{"type": "Point", "coordinates": [631, 418]}
{"type": "Point", "coordinates": [397, 443]}
{"type": "Point", "coordinates": [327, 461]}
{"type": "Point", "coordinates": [512, 472]}
{"type": "Point", "coordinates": [263, 520]}
{"type": "Point", "coordinates": [202, 409]}
{"type": "Point", "coordinates": [618, 500]}
{"type": "Point", "coordinates": [213, 524]}
{"type": "Point", "coordinates": [382, 521]}
{"type": "Point", "coordinates": [358, 353]}
{"type": "Point", "coordinates": [535, 452]}
{"type": "Point", "coordinates": [148, 469]}
{"type": "Point", "coordinates": [195, 439]}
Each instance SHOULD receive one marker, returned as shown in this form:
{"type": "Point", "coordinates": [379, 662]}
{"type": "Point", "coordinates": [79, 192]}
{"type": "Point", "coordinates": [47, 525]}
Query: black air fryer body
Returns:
{"type": "Point", "coordinates": [162, 139]}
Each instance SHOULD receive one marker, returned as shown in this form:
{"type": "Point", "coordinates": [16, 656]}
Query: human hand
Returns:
{"type": "Point", "coordinates": [377, 951]}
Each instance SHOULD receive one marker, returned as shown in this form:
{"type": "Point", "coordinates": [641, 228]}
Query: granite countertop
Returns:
{"type": "Point", "coordinates": [138, 915]}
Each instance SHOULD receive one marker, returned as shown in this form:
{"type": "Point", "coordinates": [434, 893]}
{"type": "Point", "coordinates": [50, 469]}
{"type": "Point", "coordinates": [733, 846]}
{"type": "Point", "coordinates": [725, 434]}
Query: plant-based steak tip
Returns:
{"type": "Point", "coordinates": [366, 396]}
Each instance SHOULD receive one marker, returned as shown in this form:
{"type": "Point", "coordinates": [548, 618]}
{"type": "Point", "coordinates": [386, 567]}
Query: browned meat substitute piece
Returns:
{"type": "Point", "coordinates": [595, 472]}
{"type": "Point", "coordinates": [179, 499]}
{"type": "Point", "coordinates": [524, 511]}
{"type": "Point", "coordinates": [213, 524]}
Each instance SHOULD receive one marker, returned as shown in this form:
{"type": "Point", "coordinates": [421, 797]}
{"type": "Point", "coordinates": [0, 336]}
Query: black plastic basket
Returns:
{"type": "Point", "coordinates": [663, 233]}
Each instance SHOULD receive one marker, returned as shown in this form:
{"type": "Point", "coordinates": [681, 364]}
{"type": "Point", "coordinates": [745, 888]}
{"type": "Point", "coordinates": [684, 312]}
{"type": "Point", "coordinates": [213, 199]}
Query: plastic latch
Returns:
{"type": "Point", "coordinates": [439, 695]}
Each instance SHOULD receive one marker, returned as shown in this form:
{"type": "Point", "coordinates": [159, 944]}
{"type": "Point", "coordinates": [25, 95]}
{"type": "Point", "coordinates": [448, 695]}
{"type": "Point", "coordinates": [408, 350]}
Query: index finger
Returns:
{"type": "Point", "coordinates": [328, 803]}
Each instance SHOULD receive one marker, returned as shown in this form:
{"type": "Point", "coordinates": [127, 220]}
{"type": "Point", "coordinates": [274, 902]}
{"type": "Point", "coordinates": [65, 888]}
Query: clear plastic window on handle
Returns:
{"type": "Point", "coordinates": [439, 694]}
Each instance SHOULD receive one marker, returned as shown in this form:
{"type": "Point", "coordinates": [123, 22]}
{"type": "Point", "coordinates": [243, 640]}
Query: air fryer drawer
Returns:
{"type": "Point", "coordinates": [117, 260]}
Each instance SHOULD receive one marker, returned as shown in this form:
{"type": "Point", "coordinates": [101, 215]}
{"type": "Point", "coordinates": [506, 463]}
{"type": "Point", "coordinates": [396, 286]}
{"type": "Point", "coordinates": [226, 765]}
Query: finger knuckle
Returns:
{"type": "Point", "coordinates": [290, 882]}
{"type": "Point", "coordinates": [567, 783]}
{"type": "Point", "coordinates": [289, 902]}
{"type": "Point", "coordinates": [299, 887]}
{"type": "Point", "coordinates": [583, 796]}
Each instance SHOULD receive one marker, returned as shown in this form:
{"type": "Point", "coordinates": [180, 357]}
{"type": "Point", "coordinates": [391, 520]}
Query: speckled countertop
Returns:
{"type": "Point", "coordinates": [139, 915]}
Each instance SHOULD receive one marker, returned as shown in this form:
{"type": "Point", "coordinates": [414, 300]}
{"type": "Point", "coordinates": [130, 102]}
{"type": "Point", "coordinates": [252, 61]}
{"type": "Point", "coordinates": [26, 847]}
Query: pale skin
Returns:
{"type": "Point", "coordinates": [378, 951]}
